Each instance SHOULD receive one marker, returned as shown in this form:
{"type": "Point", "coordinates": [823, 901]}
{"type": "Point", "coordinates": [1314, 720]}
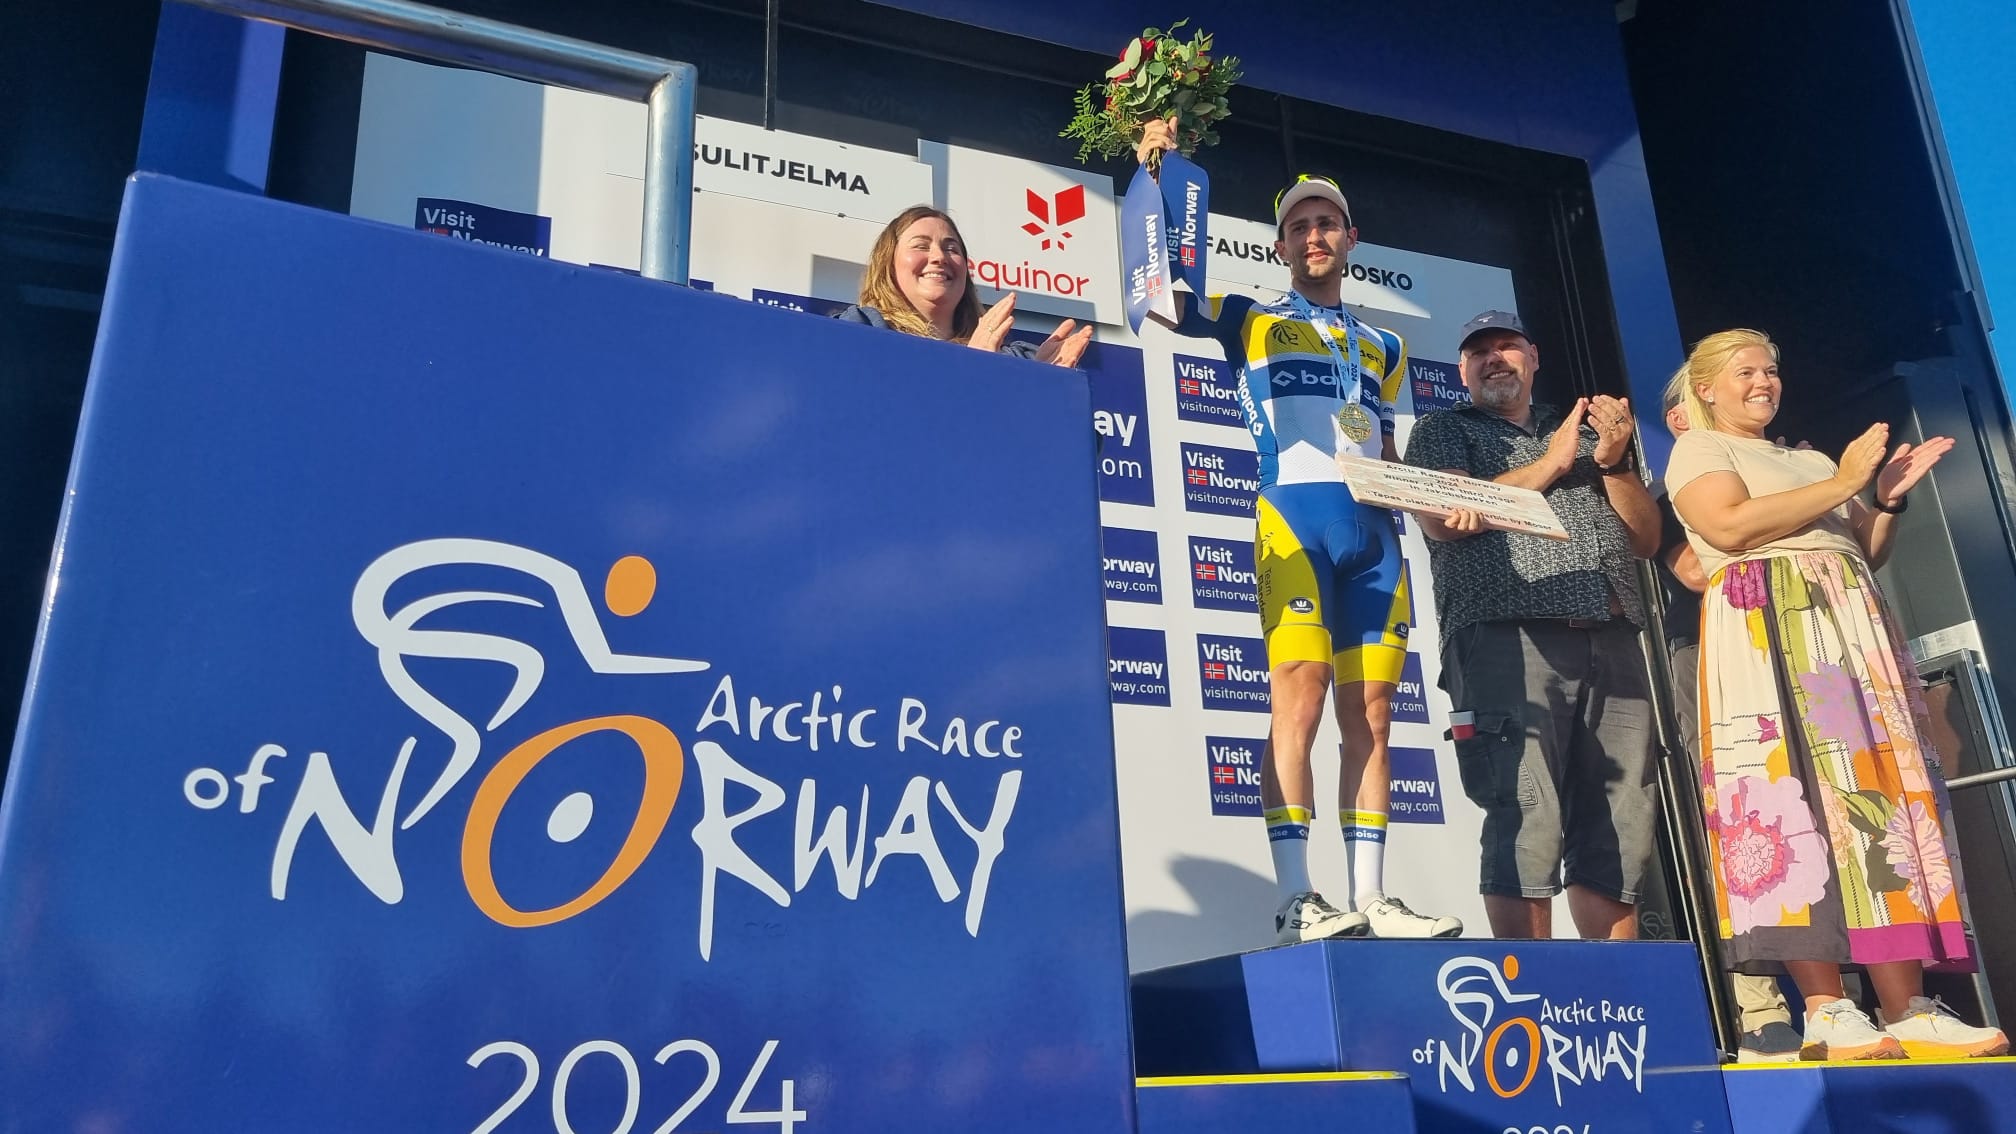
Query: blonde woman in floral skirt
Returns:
{"type": "Point", "coordinates": [1828, 825]}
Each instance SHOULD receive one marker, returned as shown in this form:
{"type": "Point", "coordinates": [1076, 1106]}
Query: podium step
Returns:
{"type": "Point", "coordinates": [1492, 1035]}
{"type": "Point", "coordinates": [1372, 1102]}
{"type": "Point", "coordinates": [1903, 1096]}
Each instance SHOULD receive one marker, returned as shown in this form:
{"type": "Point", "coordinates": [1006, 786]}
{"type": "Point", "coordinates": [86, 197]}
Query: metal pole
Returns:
{"type": "Point", "coordinates": [1685, 825]}
{"type": "Point", "coordinates": [535, 56]}
{"type": "Point", "coordinates": [772, 17]}
{"type": "Point", "coordinates": [1679, 805]}
{"type": "Point", "coordinates": [668, 176]}
{"type": "Point", "coordinates": [1979, 779]}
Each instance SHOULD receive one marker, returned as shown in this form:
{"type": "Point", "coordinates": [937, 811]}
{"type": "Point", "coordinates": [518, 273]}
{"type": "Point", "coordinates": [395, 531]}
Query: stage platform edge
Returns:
{"type": "Point", "coordinates": [1232, 1104]}
{"type": "Point", "coordinates": [1902, 1096]}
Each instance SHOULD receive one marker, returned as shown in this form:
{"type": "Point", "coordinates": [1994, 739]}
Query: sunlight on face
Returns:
{"type": "Point", "coordinates": [930, 265]}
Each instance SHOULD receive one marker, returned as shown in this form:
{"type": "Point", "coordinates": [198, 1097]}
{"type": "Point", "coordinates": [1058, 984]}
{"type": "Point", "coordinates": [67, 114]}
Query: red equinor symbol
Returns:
{"type": "Point", "coordinates": [1067, 206]}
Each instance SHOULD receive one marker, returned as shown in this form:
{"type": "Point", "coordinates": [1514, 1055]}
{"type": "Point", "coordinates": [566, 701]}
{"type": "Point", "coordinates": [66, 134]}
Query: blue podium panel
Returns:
{"type": "Point", "coordinates": [1493, 1035]}
{"type": "Point", "coordinates": [1920, 1096]}
{"type": "Point", "coordinates": [1346, 1102]}
{"type": "Point", "coordinates": [478, 693]}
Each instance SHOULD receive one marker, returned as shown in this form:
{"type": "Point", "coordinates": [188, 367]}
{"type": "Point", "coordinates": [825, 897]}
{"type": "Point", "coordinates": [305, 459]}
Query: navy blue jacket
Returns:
{"type": "Point", "coordinates": [873, 318]}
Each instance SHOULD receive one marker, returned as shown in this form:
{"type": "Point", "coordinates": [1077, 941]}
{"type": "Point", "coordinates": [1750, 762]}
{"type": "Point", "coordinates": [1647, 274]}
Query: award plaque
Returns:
{"type": "Point", "coordinates": [1431, 492]}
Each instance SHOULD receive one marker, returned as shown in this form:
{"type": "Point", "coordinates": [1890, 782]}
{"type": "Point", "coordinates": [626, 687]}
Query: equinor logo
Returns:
{"type": "Point", "coordinates": [1051, 214]}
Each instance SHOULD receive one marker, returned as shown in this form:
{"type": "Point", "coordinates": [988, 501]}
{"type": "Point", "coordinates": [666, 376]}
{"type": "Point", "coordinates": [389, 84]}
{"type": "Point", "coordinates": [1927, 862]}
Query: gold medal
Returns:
{"type": "Point", "coordinates": [1355, 422]}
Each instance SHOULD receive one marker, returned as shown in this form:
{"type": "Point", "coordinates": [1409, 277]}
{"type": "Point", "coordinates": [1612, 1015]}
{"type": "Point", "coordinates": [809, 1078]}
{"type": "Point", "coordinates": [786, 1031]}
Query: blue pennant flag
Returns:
{"type": "Point", "coordinates": [1144, 252]}
{"type": "Point", "coordinates": [1186, 201]}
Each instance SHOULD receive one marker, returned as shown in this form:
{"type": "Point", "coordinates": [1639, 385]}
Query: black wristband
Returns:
{"type": "Point", "coordinates": [1903, 502]}
{"type": "Point", "coordinates": [1626, 463]}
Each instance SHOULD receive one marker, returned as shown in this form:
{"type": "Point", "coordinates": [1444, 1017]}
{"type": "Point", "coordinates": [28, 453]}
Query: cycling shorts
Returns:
{"type": "Point", "coordinates": [1332, 588]}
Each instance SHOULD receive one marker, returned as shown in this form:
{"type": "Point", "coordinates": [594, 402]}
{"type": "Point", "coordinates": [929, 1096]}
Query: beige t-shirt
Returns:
{"type": "Point", "coordinates": [1765, 469]}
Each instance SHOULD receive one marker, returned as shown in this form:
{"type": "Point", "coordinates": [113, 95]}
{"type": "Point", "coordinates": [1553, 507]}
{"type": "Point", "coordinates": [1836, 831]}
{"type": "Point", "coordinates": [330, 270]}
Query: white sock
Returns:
{"type": "Point", "coordinates": [1288, 840]}
{"type": "Point", "coordinates": [1364, 854]}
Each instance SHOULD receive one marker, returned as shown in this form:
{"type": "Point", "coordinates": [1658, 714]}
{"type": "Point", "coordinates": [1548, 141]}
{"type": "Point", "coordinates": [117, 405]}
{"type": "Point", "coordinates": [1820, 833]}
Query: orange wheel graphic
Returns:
{"type": "Point", "coordinates": [664, 768]}
{"type": "Point", "coordinates": [1532, 1055]}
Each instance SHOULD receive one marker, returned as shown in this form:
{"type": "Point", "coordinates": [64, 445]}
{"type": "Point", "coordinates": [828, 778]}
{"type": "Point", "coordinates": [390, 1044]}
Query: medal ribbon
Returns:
{"type": "Point", "coordinates": [1350, 373]}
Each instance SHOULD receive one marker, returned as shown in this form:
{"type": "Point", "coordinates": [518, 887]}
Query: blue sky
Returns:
{"type": "Point", "coordinates": [1967, 45]}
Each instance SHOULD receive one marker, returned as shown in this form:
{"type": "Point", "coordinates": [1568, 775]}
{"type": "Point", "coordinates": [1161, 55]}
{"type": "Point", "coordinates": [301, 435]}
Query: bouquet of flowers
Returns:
{"type": "Point", "coordinates": [1158, 76]}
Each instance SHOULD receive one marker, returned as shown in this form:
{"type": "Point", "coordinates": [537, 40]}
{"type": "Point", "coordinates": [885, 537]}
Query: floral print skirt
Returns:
{"type": "Point", "coordinates": [1829, 831]}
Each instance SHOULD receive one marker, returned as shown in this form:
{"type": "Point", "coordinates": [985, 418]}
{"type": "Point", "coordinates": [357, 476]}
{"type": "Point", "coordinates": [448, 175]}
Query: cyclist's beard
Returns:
{"type": "Point", "coordinates": [1303, 277]}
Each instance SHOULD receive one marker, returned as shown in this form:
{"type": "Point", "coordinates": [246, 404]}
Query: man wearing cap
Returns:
{"type": "Point", "coordinates": [1316, 383]}
{"type": "Point", "coordinates": [1552, 717]}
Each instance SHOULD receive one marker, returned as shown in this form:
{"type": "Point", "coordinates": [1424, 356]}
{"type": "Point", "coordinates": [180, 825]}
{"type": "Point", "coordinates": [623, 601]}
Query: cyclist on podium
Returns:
{"type": "Point", "coordinates": [1316, 383]}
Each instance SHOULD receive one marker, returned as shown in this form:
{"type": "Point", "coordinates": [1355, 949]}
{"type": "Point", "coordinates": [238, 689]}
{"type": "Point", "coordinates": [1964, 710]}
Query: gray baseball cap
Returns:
{"type": "Point", "coordinates": [1491, 321]}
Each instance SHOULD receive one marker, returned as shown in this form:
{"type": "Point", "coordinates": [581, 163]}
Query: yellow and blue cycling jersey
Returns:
{"type": "Point", "coordinates": [1291, 390]}
{"type": "Point", "coordinates": [1331, 585]}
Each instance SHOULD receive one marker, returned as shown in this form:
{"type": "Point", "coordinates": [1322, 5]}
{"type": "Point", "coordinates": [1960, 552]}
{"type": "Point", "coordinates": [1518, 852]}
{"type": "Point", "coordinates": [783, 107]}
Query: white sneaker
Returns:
{"type": "Point", "coordinates": [1390, 917]}
{"type": "Point", "coordinates": [1839, 1030]}
{"type": "Point", "coordinates": [1307, 917]}
{"type": "Point", "coordinates": [1930, 1030]}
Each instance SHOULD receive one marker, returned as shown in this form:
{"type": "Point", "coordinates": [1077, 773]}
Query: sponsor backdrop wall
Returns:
{"type": "Point", "coordinates": [787, 219]}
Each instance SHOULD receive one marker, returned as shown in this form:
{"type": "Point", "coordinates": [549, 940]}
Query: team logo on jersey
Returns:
{"type": "Point", "coordinates": [1301, 605]}
{"type": "Point", "coordinates": [1288, 334]}
{"type": "Point", "coordinates": [1355, 422]}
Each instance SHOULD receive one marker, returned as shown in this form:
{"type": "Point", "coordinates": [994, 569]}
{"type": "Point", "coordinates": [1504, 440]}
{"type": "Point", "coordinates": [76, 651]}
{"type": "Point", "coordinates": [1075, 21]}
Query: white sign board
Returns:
{"type": "Point", "coordinates": [1047, 233]}
{"type": "Point", "coordinates": [577, 160]}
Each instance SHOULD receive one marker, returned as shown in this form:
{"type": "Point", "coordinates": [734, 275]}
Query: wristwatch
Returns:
{"type": "Point", "coordinates": [1624, 463]}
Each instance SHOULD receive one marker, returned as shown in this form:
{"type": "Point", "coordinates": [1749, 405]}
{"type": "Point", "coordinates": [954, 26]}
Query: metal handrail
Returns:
{"type": "Point", "coordinates": [1979, 779]}
{"type": "Point", "coordinates": [666, 86]}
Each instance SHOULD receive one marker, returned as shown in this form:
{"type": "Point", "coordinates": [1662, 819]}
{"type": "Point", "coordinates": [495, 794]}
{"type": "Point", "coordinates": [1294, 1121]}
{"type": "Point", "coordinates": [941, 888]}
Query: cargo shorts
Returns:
{"type": "Point", "coordinates": [1561, 754]}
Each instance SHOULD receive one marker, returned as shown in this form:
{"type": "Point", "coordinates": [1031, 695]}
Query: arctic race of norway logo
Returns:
{"type": "Point", "coordinates": [366, 839]}
{"type": "Point", "coordinates": [1505, 1038]}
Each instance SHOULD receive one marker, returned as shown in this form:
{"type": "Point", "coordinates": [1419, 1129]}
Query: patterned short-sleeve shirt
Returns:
{"type": "Point", "coordinates": [1498, 576]}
